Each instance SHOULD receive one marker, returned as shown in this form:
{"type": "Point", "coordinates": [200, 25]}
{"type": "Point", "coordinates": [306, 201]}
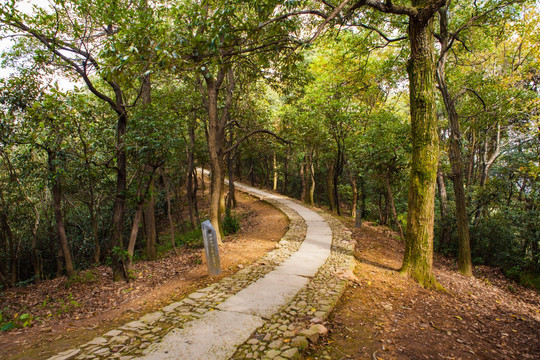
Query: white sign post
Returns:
{"type": "Point", "coordinates": [211, 248]}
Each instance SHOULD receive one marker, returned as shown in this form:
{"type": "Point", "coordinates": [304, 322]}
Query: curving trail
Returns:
{"type": "Point", "coordinates": [217, 334]}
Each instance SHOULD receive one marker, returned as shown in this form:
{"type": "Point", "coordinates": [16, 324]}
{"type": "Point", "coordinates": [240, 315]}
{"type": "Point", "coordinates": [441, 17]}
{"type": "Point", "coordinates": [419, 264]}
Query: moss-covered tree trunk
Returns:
{"type": "Point", "coordinates": [418, 259]}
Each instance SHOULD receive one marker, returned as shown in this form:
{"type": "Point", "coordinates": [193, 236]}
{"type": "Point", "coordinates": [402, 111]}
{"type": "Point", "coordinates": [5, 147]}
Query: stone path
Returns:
{"type": "Point", "coordinates": [272, 309]}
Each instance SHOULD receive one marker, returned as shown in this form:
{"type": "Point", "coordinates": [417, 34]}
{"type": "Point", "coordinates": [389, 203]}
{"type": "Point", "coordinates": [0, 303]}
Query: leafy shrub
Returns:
{"type": "Point", "coordinates": [230, 223]}
{"type": "Point", "coordinates": [190, 239]}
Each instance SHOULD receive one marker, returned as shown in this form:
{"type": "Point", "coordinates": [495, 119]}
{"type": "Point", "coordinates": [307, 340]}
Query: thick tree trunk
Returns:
{"type": "Point", "coordinates": [418, 258]}
{"type": "Point", "coordinates": [392, 206]}
{"type": "Point", "coordinates": [56, 191]}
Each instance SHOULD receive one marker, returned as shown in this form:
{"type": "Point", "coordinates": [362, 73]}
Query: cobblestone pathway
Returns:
{"type": "Point", "coordinates": [272, 309]}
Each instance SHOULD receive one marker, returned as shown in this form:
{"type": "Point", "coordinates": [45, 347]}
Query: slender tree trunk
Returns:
{"type": "Point", "coordinates": [311, 200]}
{"type": "Point", "coordinates": [117, 258]}
{"type": "Point", "coordinates": [95, 230]}
{"type": "Point", "coordinates": [150, 220]}
{"type": "Point", "coordinates": [354, 201]}
{"type": "Point", "coordinates": [137, 217]}
{"type": "Point", "coordinates": [303, 196]}
{"type": "Point", "coordinates": [362, 196]}
{"type": "Point", "coordinates": [191, 174]}
{"type": "Point", "coordinates": [216, 143]}
{"type": "Point", "coordinates": [231, 196]}
{"type": "Point", "coordinates": [56, 191]}
{"type": "Point", "coordinates": [454, 152]}
{"type": "Point", "coordinates": [166, 183]}
{"type": "Point", "coordinates": [393, 206]}
{"type": "Point", "coordinates": [446, 231]}
{"type": "Point", "coordinates": [330, 186]}
{"type": "Point", "coordinates": [285, 174]}
{"type": "Point", "coordinates": [9, 238]}
{"type": "Point", "coordinates": [418, 258]}
{"type": "Point", "coordinates": [275, 184]}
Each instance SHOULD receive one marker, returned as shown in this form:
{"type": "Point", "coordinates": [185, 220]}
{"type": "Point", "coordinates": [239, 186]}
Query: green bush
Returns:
{"type": "Point", "coordinates": [230, 223]}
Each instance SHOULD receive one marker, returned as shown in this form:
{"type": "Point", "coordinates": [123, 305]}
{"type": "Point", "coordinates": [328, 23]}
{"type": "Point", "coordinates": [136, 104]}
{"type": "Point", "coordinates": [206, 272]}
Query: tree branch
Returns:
{"type": "Point", "coordinates": [252, 133]}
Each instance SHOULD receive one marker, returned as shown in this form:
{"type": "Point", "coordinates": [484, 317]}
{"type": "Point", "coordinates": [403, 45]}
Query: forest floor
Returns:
{"type": "Point", "coordinates": [68, 315]}
{"type": "Point", "coordinates": [384, 315]}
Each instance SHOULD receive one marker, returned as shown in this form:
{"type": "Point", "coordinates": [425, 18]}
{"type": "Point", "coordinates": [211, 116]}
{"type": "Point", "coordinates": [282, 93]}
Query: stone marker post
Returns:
{"type": "Point", "coordinates": [358, 222]}
{"type": "Point", "coordinates": [211, 248]}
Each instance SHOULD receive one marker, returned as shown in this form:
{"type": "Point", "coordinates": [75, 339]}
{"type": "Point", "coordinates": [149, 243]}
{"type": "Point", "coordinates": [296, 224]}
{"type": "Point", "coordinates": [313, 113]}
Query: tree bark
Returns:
{"type": "Point", "coordinates": [150, 219]}
{"type": "Point", "coordinates": [303, 196]}
{"type": "Point", "coordinates": [119, 209]}
{"type": "Point", "coordinates": [311, 193]}
{"type": "Point", "coordinates": [274, 163]}
{"type": "Point", "coordinates": [191, 198]}
{"type": "Point", "coordinates": [392, 206]}
{"type": "Point", "coordinates": [418, 258]}
{"type": "Point", "coordinates": [9, 239]}
{"type": "Point", "coordinates": [446, 232]}
{"type": "Point", "coordinates": [454, 152]}
{"type": "Point", "coordinates": [56, 191]}
{"type": "Point", "coordinates": [354, 201]}
{"type": "Point", "coordinates": [330, 186]}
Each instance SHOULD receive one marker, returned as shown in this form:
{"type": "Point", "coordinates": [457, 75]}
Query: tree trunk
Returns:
{"type": "Point", "coordinates": [9, 239]}
{"type": "Point", "coordinates": [392, 206]}
{"type": "Point", "coordinates": [285, 174]}
{"type": "Point", "coordinates": [117, 247]}
{"type": "Point", "coordinates": [150, 219]}
{"type": "Point", "coordinates": [275, 184]}
{"type": "Point", "coordinates": [216, 143]}
{"type": "Point", "coordinates": [133, 235]}
{"type": "Point", "coordinates": [191, 198]}
{"type": "Point", "coordinates": [354, 200]}
{"type": "Point", "coordinates": [95, 229]}
{"type": "Point", "coordinates": [418, 258]}
{"type": "Point", "coordinates": [446, 231]}
{"type": "Point", "coordinates": [56, 191]}
{"type": "Point", "coordinates": [454, 152]}
{"type": "Point", "coordinates": [231, 196]}
{"type": "Point", "coordinates": [330, 186]}
{"type": "Point", "coordinates": [169, 209]}
{"type": "Point", "coordinates": [311, 200]}
{"type": "Point", "coordinates": [303, 196]}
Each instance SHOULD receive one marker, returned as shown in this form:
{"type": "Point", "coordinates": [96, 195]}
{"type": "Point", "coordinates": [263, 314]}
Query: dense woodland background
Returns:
{"type": "Point", "coordinates": [308, 98]}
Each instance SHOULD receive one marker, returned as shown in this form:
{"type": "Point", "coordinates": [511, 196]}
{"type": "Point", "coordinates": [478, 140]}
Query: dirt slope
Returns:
{"type": "Point", "coordinates": [387, 316]}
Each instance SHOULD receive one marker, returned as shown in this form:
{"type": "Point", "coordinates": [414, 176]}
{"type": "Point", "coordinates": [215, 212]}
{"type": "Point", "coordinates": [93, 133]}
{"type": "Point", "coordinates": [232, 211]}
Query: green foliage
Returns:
{"type": "Point", "coordinates": [230, 223]}
{"type": "Point", "coordinates": [190, 239]}
{"type": "Point", "coordinates": [16, 321]}
{"type": "Point", "coordinates": [82, 277]}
